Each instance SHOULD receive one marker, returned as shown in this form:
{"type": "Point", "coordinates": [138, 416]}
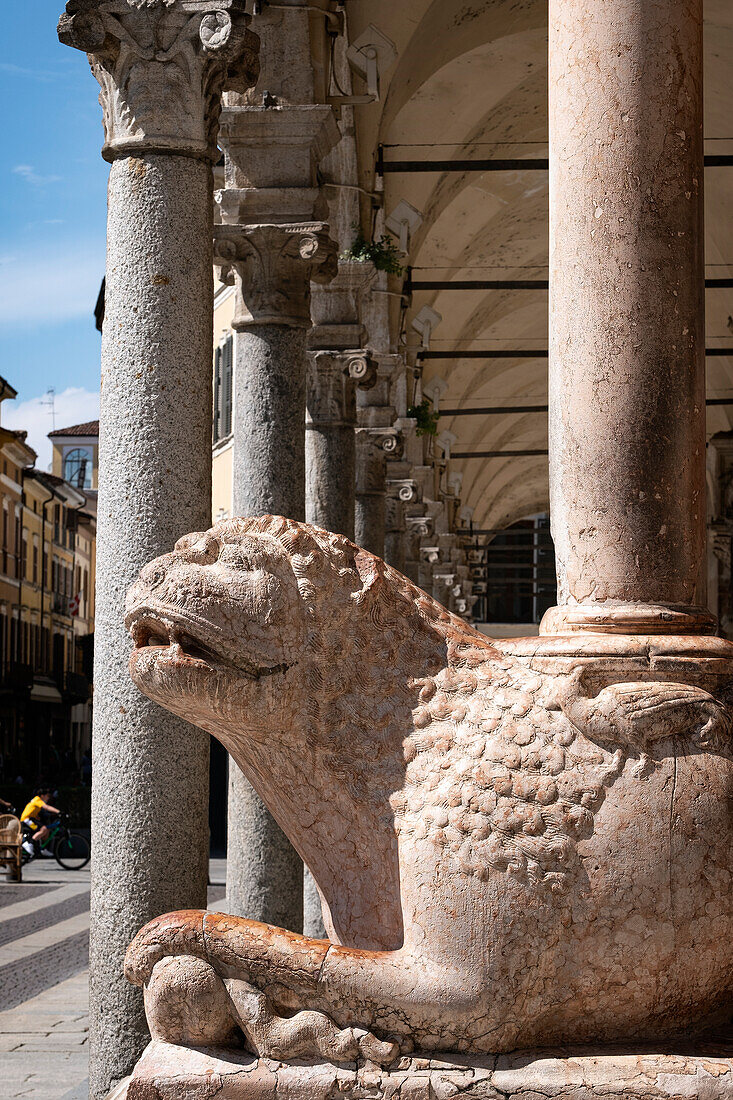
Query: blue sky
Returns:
{"type": "Point", "coordinates": [52, 222]}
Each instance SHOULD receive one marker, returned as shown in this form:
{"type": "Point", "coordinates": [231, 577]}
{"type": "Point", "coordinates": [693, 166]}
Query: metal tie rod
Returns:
{"type": "Point", "coordinates": [520, 353]}
{"type": "Point", "coordinates": [411, 285]}
{"type": "Point", "coordinates": [496, 164]}
{"type": "Point", "coordinates": [497, 454]}
{"type": "Point", "coordinates": [501, 410]}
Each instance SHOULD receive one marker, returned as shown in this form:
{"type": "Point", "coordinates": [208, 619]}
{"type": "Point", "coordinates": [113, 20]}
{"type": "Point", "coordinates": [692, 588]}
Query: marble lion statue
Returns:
{"type": "Point", "coordinates": [511, 853]}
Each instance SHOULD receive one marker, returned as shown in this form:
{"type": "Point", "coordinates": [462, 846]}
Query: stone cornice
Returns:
{"type": "Point", "coordinates": [161, 66]}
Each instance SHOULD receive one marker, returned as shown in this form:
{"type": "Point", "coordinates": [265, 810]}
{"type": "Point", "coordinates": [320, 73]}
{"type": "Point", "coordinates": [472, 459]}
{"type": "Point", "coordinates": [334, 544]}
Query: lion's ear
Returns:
{"type": "Point", "coordinates": [367, 566]}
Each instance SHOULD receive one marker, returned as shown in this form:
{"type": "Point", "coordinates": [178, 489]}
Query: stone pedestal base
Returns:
{"type": "Point", "coordinates": [702, 1072]}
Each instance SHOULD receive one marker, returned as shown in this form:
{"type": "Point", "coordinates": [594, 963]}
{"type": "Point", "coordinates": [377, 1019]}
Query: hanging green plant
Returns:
{"type": "Point", "coordinates": [427, 418]}
{"type": "Point", "coordinates": [384, 253]}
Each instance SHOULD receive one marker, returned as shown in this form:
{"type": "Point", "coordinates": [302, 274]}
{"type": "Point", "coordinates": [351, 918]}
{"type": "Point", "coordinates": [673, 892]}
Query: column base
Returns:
{"type": "Point", "coordinates": [686, 655]}
{"type": "Point", "coordinates": [617, 617]}
{"type": "Point", "coordinates": [704, 1070]}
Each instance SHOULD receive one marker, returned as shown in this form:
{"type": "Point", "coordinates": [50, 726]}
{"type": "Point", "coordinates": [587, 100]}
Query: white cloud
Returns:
{"type": "Point", "coordinates": [35, 179]}
{"type": "Point", "coordinates": [59, 285]}
{"type": "Point", "coordinates": [43, 75]}
{"type": "Point", "coordinates": [74, 405]}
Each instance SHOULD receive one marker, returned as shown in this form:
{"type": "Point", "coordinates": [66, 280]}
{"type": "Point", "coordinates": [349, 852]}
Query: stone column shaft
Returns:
{"type": "Point", "coordinates": [272, 266]}
{"type": "Point", "coordinates": [150, 785]}
{"type": "Point", "coordinates": [627, 387]}
{"type": "Point", "coordinates": [331, 439]}
{"type": "Point", "coordinates": [264, 872]}
{"type": "Point", "coordinates": [370, 512]}
{"type": "Point", "coordinates": [150, 772]}
{"type": "Point", "coordinates": [330, 462]}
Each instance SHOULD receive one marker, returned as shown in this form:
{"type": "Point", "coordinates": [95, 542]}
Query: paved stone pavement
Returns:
{"type": "Point", "coordinates": [44, 948]}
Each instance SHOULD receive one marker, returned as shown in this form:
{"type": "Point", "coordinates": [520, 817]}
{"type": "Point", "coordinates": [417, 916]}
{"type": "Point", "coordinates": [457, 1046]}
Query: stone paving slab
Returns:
{"type": "Point", "coordinates": [30, 1076]}
{"type": "Point", "coordinates": [27, 975]}
{"type": "Point", "coordinates": [12, 892]}
{"type": "Point", "coordinates": [43, 938]}
{"type": "Point", "coordinates": [71, 904]}
{"type": "Point", "coordinates": [45, 1044]}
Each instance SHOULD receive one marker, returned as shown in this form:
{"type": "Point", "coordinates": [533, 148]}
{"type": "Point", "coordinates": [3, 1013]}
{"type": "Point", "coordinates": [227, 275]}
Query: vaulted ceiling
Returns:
{"type": "Point", "coordinates": [470, 81]}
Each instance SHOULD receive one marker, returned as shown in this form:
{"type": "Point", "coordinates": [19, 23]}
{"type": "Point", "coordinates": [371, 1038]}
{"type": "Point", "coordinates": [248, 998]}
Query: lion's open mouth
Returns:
{"type": "Point", "coordinates": [150, 633]}
{"type": "Point", "coordinates": [177, 642]}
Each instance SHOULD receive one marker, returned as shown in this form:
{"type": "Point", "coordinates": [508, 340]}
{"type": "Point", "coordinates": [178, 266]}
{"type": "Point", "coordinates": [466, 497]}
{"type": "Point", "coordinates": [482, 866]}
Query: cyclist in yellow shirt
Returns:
{"type": "Point", "coordinates": [37, 813]}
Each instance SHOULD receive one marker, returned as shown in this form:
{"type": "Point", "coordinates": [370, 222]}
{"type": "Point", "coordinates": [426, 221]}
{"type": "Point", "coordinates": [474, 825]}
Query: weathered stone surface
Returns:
{"type": "Point", "coordinates": [371, 492]}
{"type": "Point", "coordinates": [162, 72]}
{"type": "Point", "coordinates": [264, 873]}
{"type": "Point", "coordinates": [161, 68]}
{"type": "Point", "coordinates": [704, 1072]}
{"type": "Point", "coordinates": [272, 241]}
{"type": "Point", "coordinates": [489, 829]}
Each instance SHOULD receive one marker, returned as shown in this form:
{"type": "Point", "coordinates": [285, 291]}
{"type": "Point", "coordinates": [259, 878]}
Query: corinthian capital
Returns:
{"type": "Point", "coordinates": [330, 392]}
{"type": "Point", "coordinates": [273, 266]}
{"type": "Point", "coordinates": [162, 66]}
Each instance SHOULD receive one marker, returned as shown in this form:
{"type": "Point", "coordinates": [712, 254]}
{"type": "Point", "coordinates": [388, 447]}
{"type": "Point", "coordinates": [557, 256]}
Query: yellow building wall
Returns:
{"type": "Point", "coordinates": [221, 483]}
{"type": "Point", "coordinates": [221, 469]}
{"type": "Point", "coordinates": [223, 313]}
{"type": "Point", "coordinates": [60, 449]}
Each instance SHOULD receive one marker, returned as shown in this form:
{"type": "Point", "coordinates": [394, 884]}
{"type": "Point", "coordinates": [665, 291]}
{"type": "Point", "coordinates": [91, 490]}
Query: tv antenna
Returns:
{"type": "Point", "coordinates": [51, 403]}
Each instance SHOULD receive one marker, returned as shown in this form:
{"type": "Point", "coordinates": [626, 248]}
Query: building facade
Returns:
{"type": "Point", "coordinates": [46, 616]}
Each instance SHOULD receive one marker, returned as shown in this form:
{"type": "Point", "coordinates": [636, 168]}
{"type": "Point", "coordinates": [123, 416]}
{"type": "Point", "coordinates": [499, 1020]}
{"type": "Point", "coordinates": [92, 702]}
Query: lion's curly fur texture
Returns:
{"type": "Point", "coordinates": [494, 776]}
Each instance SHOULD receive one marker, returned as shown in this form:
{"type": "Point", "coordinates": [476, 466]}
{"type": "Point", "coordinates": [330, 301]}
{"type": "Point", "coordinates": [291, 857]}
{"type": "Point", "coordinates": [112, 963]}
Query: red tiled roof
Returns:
{"type": "Point", "coordinates": [90, 428]}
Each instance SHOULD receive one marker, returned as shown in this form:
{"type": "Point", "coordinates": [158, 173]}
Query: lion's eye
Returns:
{"type": "Point", "coordinates": [236, 558]}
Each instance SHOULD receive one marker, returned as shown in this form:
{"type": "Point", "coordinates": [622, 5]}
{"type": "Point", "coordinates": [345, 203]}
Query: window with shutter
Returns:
{"type": "Point", "coordinates": [216, 427]}
{"type": "Point", "coordinates": [227, 387]}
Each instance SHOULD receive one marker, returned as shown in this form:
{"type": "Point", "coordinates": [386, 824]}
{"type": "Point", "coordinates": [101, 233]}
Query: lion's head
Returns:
{"type": "Point", "coordinates": [241, 621]}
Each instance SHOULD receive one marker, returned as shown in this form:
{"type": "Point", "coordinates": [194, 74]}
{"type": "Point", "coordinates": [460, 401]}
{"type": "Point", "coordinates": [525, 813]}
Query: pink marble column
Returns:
{"type": "Point", "coordinates": [627, 367]}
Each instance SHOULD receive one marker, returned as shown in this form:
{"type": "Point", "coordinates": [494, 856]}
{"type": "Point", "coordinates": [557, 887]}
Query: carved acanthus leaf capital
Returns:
{"type": "Point", "coordinates": [274, 266]}
{"type": "Point", "coordinates": [330, 392]}
{"type": "Point", "coordinates": [371, 464]}
{"type": "Point", "coordinates": [162, 66]}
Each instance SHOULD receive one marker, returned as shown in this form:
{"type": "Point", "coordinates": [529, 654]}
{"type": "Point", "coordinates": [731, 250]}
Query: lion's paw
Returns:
{"type": "Point", "coordinates": [375, 1050]}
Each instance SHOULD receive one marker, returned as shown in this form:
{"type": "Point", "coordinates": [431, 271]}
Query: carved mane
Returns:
{"type": "Point", "coordinates": [462, 744]}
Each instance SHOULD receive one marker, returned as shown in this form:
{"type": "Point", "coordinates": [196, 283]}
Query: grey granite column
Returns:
{"type": "Point", "coordinates": [371, 492]}
{"type": "Point", "coordinates": [272, 266]}
{"type": "Point", "coordinates": [330, 464]}
{"type": "Point", "coordinates": [330, 442]}
{"type": "Point", "coordinates": [150, 788]}
{"type": "Point", "coordinates": [627, 378]}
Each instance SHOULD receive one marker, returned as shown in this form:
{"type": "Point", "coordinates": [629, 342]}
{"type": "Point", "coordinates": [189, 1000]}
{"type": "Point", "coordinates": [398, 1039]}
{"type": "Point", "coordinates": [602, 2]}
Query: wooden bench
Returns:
{"type": "Point", "coordinates": [11, 852]}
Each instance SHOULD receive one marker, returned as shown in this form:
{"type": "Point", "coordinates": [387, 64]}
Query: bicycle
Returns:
{"type": "Point", "coordinates": [70, 850]}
